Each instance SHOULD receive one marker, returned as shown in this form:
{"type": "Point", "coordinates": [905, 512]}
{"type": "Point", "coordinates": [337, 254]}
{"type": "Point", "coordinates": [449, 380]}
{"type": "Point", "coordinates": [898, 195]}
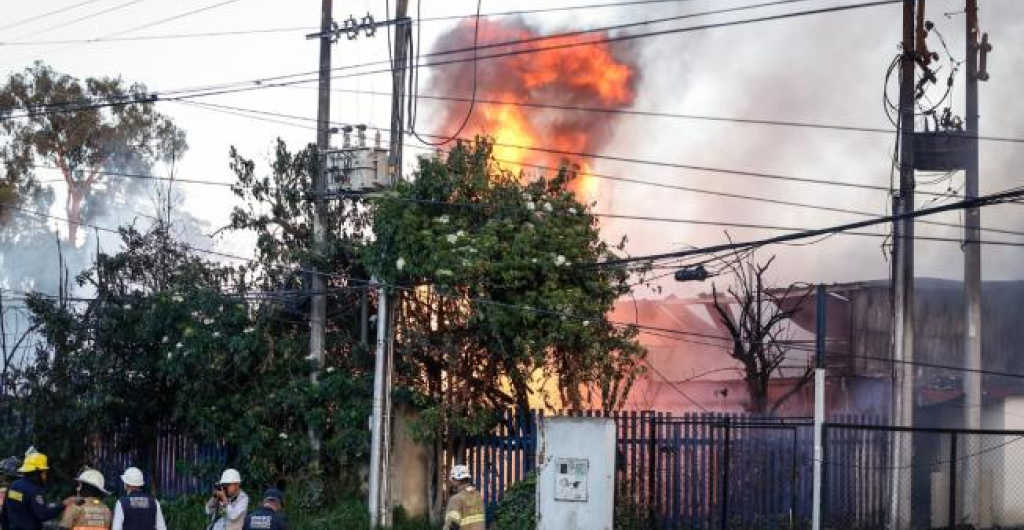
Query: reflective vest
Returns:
{"type": "Point", "coordinates": [139, 511]}
{"type": "Point", "coordinates": [91, 514]}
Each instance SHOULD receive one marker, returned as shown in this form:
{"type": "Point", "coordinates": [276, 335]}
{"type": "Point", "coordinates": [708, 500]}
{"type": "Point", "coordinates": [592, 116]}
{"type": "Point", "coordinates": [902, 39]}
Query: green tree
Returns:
{"type": "Point", "coordinates": [499, 290]}
{"type": "Point", "coordinates": [174, 342]}
{"type": "Point", "coordinates": [84, 129]}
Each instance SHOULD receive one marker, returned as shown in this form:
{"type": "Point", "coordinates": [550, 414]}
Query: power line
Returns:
{"type": "Point", "coordinates": [47, 14]}
{"type": "Point", "coordinates": [555, 9]}
{"type": "Point", "coordinates": [985, 200]}
{"type": "Point", "coordinates": [923, 364]}
{"type": "Point", "coordinates": [172, 18]}
{"type": "Point", "coordinates": [82, 19]}
{"type": "Point", "coordinates": [792, 229]}
{"type": "Point", "coordinates": [656, 114]}
{"type": "Point", "coordinates": [173, 36]}
{"type": "Point", "coordinates": [276, 81]}
{"type": "Point", "coordinates": [238, 111]}
{"type": "Point", "coordinates": [631, 160]}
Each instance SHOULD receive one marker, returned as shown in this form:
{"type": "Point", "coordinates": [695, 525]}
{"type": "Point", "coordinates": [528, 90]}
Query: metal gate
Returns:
{"type": "Point", "coordinates": [735, 473]}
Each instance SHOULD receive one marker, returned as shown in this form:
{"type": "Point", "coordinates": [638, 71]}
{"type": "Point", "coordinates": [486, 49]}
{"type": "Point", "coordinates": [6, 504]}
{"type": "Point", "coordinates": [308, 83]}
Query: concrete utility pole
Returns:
{"type": "Point", "coordinates": [972, 261]}
{"type": "Point", "coordinates": [318, 285]}
{"type": "Point", "coordinates": [820, 336]}
{"type": "Point", "coordinates": [903, 269]}
{"type": "Point", "coordinates": [380, 449]}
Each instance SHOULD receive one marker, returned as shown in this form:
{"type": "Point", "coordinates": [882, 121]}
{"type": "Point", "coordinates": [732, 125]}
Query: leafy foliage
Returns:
{"type": "Point", "coordinates": [83, 128]}
{"type": "Point", "coordinates": [499, 285]}
{"type": "Point", "coordinates": [518, 506]}
{"type": "Point", "coordinates": [498, 299]}
{"type": "Point", "coordinates": [174, 342]}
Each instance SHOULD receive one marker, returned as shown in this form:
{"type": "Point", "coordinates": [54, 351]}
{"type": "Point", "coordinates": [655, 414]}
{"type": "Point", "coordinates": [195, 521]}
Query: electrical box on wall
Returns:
{"type": "Point", "coordinates": [571, 479]}
{"type": "Point", "coordinates": [576, 481]}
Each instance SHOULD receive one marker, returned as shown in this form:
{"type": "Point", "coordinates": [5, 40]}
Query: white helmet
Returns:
{"type": "Point", "coordinates": [230, 476]}
{"type": "Point", "coordinates": [460, 473]}
{"type": "Point", "coordinates": [93, 478]}
{"type": "Point", "coordinates": [133, 477]}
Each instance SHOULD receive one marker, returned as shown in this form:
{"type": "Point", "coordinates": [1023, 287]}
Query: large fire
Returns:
{"type": "Point", "coordinates": [592, 75]}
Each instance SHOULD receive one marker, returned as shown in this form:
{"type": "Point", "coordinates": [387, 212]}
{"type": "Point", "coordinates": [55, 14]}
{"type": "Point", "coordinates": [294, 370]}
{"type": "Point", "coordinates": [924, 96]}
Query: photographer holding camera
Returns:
{"type": "Point", "coordinates": [228, 504]}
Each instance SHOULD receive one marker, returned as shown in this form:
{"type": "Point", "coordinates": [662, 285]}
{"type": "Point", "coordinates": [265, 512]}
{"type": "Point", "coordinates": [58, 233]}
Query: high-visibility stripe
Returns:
{"type": "Point", "coordinates": [453, 515]}
{"type": "Point", "coordinates": [472, 519]}
{"type": "Point", "coordinates": [15, 495]}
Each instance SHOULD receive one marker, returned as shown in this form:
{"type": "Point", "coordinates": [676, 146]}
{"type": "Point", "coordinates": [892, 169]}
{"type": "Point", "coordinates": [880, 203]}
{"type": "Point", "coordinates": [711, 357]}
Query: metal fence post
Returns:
{"type": "Point", "coordinates": [652, 472]}
{"type": "Point", "coordinates": [952, 480]}
{"type": "Point", "coordinates": [824, 474]}
{"type": "Point", "coordinates": [725, 478]}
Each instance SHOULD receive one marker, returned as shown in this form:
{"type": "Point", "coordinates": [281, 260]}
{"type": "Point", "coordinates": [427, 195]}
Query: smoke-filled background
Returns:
{"type": "Point", "coordinates": [827, 68]}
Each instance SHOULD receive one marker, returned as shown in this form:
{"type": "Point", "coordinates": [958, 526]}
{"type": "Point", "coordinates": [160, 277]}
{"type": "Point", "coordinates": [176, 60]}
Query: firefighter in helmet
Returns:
{"type": "Point", "coordinates": [466, 507]}
{"type": "Point", "coordinates": [25, 506]}
{"type": "Point", "coordinates": [86, 511]}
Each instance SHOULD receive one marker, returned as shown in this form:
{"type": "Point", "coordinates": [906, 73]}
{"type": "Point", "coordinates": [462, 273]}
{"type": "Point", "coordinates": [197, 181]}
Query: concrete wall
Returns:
{"type": "Point", "coordinates": [410, 465]}
{"type": "Point", "coordinates": [576, 474]}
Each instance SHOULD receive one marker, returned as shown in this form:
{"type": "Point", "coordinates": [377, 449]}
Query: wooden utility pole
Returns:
{"type": "Point", "coordinates": [903, 269]}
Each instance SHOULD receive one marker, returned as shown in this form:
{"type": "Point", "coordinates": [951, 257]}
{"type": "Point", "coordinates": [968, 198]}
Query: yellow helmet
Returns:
{"type": "Point", "coordinates": [34, 462]}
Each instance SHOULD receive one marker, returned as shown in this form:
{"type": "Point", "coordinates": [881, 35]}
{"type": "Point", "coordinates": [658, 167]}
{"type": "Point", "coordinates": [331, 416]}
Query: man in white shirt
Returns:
{"type": "Point", "coordinates": [228, 503]}
{"type": "Point", "coordinates": [137, 510]}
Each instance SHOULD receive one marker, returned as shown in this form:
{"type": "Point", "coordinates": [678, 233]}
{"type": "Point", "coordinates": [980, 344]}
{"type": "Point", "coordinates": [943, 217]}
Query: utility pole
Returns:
{"type": "Point", "coordinates": [903, 269]}
{"type": "Point", "coordinates": [976, 45]}
{"type": "Point", "coordinates": [820, 336]}
{"type": "Point", "coordinates": [318, 284]}
{"type": "Point", "coordinates": [380, 449]}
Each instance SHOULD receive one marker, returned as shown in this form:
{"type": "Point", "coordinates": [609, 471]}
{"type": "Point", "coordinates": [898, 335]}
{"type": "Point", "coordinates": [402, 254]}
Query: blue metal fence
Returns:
{"type": "Point", "coordinates": [174, 465]}
{"type": "Point", "coordinates": [694, 471]}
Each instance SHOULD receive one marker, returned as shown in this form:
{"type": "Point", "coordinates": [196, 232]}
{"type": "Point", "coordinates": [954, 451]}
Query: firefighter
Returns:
{"type": "Point", "coordinates": [466, 507]}
{"type": "Point", "coordinates": [269, 516]}
{"type": "Point", "coordinates": [86, 511]}
{"type": "Point", "coordinates": [8, 473]}
{"type": "Point", "coordinates": [137, 510]}
{"type": "Point", "coordinates": [24, 506]}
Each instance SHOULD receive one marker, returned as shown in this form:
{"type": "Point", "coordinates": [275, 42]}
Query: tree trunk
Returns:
{"type": "Point", "coordinates": [74, 210]}
{"type": "Point", "coordinates": [758, 390]}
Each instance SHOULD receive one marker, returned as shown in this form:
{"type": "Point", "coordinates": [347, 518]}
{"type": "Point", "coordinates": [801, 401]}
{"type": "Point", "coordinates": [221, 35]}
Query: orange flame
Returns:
{"type": "Point", "coordinates": [576, 76]}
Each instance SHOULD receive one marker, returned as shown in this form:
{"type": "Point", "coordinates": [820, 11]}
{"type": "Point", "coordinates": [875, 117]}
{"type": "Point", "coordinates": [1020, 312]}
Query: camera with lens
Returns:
{"type": "Point", "coordinates": [219, 487]}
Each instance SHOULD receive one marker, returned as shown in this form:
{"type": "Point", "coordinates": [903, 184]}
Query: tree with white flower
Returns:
{"type": "Point", "coordinates": [476, 323]}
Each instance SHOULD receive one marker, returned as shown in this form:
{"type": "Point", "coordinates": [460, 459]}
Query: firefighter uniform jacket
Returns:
{"type": "Point", "coordinates": [265, 519]}
{"type": "Point", "coordinates": [465, 510]}
{"type": "Point", "coordinates": [138, 511]}
{"type": "Point", "coordinates": [25, 508]}
{"type": "Point", "coordinates": [88, 513]}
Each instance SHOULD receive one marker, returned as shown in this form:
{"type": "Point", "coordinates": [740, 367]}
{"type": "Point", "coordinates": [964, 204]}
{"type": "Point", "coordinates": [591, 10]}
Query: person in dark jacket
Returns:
{"type": "Point", "coordinates": [25, 506]}
{"type": "Point", "coordinates": [268, 517]}
{"type": "Point", "coordinates": [8, 473]}
{"type": "Point", "coordinates": [137, 510]}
